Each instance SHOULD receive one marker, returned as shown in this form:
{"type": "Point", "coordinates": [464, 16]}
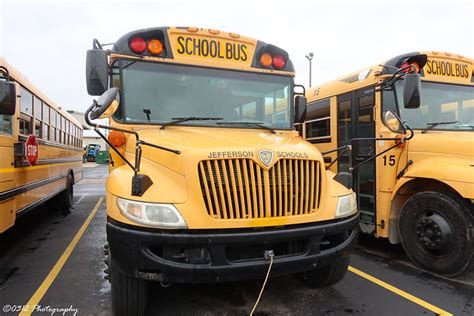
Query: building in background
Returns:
{"type": "Point", "coordinates": [89, 135]}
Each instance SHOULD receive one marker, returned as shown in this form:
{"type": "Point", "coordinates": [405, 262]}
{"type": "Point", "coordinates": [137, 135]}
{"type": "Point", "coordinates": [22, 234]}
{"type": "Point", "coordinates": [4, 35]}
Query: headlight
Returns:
{"type": "Point", "coordinates": [347, 205]}
{"type": "Point", "coordinates": [158, 215]}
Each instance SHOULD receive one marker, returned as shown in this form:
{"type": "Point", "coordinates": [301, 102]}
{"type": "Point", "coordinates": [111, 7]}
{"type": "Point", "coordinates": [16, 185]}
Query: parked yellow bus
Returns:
{"type": "Point", "coordinates": [40, 149]}
{"type": "Point", "coordinates": [421, 192]}
{"type": "Point", "coordinates": [209, 181]}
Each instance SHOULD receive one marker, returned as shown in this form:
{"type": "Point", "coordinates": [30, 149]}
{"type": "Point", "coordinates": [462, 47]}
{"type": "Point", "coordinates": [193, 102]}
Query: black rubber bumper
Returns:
{"type": "Point", "coordinates": [228, 255]}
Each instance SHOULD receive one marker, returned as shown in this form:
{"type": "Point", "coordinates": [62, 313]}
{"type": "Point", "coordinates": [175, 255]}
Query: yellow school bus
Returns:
{"type": "Point", "coordinates": [40, 149]}
{"type": "Point", "coordinates": [421, 192]}
{"type": "Point", "coordinates": [209, 181]}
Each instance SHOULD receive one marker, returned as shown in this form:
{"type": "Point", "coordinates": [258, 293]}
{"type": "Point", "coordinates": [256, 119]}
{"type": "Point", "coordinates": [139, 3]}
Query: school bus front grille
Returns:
{"type": "Point", "coordinates": [240, 188]}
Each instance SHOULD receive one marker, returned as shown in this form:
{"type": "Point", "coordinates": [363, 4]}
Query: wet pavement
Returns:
{"type": "Point", "coordinates": [37, 266]}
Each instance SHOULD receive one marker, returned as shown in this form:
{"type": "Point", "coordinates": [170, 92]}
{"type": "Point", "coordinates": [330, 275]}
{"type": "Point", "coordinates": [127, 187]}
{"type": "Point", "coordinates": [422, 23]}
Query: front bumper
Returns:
{"type": "Point", "coordinates": [227, 255]}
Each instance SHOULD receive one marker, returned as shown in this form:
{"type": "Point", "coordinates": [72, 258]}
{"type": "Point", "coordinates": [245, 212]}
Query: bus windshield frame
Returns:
{"type": "Point", "coordinates": [452, 113]}
{"type": "Point", "coordinates": [229, 95]}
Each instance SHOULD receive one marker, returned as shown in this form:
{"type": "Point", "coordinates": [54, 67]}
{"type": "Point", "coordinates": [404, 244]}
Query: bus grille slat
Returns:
{"type": "Point", "coordinates": [242, 189]}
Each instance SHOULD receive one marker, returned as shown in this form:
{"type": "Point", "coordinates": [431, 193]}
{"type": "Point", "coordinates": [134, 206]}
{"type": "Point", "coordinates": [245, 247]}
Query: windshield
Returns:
{"type": "Point", "coordinates": [155, 93]}
{"type": "Point", "coordinates": [443, 106]}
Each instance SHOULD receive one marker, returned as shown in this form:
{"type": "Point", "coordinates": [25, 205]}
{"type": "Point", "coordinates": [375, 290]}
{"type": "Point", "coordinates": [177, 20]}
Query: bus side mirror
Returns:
{"type": "Point", "coordinates": [344, 178]}
{"type": "Point", "coordinates": [300, 109]}
{"type": "Point", "coordinates": [411, 91]}
{"type": "Point", "coordinates": [97, 75]}
{"type": "Point", "coordinates": [7, 98]}
{"type": "Point", "coordinates": [106, 105]}
{"type": "Point", "coordinates": [394, 123]}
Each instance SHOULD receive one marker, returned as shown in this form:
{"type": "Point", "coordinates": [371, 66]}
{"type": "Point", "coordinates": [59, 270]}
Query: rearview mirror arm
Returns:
{"type": "Point", "coordinates": [403, 139]}
{"type": "Point", "coordinates": [342, 149]}
{"type": "Point", "coordinates": [373, 157]}
{"type": "Point", "coordinates": [7, 74]}
{"type": "Point", "coordinates": [114, 149]}
{"type": "Point", "coordinates": [96, 44]}
{"type": "Point", "coordinates": [395, 77]}
{"type": "Point", "coordinates": [138, 145]}
{"type": "Point", "coordinates": [299, 93]}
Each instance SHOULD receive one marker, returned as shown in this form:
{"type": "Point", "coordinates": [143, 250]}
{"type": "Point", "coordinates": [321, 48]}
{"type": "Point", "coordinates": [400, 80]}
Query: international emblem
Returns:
{"type": "Point", "coordinates": [266, 157]}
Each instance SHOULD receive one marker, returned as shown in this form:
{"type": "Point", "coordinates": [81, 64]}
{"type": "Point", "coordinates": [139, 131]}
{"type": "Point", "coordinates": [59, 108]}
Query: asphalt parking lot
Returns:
{"type": "Point", "coordinates": [53, 264]}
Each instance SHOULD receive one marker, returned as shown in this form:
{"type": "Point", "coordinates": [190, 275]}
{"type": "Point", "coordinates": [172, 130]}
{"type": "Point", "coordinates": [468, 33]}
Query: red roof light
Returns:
{"type": "Point", "coordinates": [279, 62]}
{"type": "Point", "coordinates": [137, 45]}
{"type": "Point", "coordinates": [413, 66]}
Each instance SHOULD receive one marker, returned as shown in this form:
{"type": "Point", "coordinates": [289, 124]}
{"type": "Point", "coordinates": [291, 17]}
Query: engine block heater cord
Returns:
{"type": "Point", "coordinates": [268, 254]}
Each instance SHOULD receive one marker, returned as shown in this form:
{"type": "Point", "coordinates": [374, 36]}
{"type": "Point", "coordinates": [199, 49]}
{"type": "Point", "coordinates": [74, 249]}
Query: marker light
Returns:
{"type": "Point", "coordinates": [400, 141]}
{"type": "Point", "coordinates": [266, 60]}
{"type": "Point", "coordinates": [137, 45]}
{"type": "Point", "coordinates": [155, 47]}
{"type": "Point", "coordinates": [213, 32]}
{"type": "Point", "coordinates": [116, 138]}
{"type": "Point", "coordinates": [279, 62]}
{"type": "Point", "coordinates": [417, 67]}
{"type": "Point", "coordinates": [413, 64]}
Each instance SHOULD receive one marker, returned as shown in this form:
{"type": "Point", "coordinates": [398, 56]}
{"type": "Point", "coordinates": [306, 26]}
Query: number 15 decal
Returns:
{"type": "Point", "coordinates": [391, 160]}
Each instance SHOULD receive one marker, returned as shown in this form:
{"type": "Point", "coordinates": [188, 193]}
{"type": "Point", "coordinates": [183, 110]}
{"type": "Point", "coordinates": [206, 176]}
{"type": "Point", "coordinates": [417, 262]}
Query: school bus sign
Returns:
{"type": "Point", "coordinates": [441, 68]}
{"type": "Point", "coordinates": [238, 51]}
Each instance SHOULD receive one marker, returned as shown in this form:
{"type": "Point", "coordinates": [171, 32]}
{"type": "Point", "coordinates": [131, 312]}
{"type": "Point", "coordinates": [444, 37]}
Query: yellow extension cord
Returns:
{"type": "Point", "coordinates": [263, 286]}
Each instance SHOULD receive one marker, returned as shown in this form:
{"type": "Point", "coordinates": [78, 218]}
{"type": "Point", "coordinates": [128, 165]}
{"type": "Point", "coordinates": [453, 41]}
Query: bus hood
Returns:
{"type": "Point", "coordinates": [449, 143]}
{"type": "Point", "coordinates": [204, 143]}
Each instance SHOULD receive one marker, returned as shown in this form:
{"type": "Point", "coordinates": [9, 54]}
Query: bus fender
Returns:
{"type": "Point", "coordinates": [433, 175]}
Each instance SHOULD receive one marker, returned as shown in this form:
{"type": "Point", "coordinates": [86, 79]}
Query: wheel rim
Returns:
{"type": "Point", "coordinates": [434, 233]}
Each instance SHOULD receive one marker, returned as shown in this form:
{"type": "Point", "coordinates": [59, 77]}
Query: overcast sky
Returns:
{"type": "Point", "coordinates": [47, 40]}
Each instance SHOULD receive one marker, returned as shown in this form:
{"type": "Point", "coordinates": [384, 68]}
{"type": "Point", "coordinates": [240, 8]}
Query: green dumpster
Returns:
{"type": "Point", "coordinates": [102, 157]}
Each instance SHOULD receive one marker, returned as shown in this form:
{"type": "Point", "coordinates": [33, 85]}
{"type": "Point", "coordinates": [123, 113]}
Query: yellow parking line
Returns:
{"type": "Point", "coordinates": [402, 293]}
{"type": "Point", "coordinates": [36, 298]}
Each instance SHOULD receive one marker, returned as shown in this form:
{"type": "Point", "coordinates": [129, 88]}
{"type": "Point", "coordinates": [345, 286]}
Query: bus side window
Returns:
{"type": "Point", "coordinates": [26, 112]}
{"type": "Point", "coordinates": [58, 128]}
{"type": "Point", "coordinates": [389, 102]}
{"type": "Point", "coordinates": [68, 131]}
{"type": "Point", "coordinates": [6, 124]}
{"type": "Point", "coordinates": [344, 122]}
{"type": "Point", "coordinates": [38, 116]}
{"type": "Point", "coordinates": [74, 142]}
{"type": "Point", "coordinates": [74, 135]}
{"type": "Point", "coordinates": [54, 115]}
{"type": "Point", "coordinates": [63, 128]}
{"type": "Point", "coordinates": [318, 125]}
{"type": "Point", "coordinates": [46, 111]}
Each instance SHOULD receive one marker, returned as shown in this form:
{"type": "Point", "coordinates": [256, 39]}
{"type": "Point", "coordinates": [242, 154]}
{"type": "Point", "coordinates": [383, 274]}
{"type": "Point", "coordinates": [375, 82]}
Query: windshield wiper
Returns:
{"type": "Point", "coordinates": [434, 124]}
{"type": "Point", "coordinates": [148, 113]}
{"type": "Point", "coordinates": [258, 124]}
{"type": "Point", "coordinates": [177, 120]}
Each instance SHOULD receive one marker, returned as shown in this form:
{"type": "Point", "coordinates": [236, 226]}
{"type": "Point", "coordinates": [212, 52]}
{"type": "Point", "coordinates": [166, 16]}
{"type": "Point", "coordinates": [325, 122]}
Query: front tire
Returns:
{"type": "Point", "coordinates": [436, 231]}
{"type": "Point", "coordinates": [327, 275]}
{"type": "Point", "coordinates": [129, 294]}
{"type": "Point", "coordinates": [67, 196]}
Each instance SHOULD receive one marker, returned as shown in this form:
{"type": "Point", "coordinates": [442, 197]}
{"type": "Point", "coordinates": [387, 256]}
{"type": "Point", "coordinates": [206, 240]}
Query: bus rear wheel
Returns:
{"type": "Point", "coordinates": [327, 275]}
{"type": "Point", "coordinates": [129, 294]}
{"type": "Point", "coordinates": [436, 232]}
